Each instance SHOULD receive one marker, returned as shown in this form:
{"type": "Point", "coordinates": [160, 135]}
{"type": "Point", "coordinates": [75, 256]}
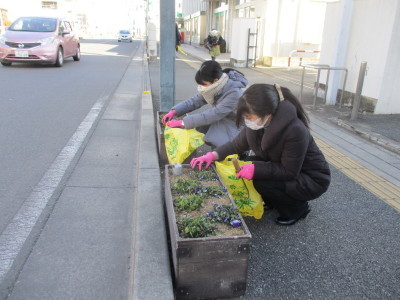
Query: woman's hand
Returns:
{"type": "Point", "coordinates": [175, 123]}
{"type": "Point", "coordinates": [246, 172]}
{"type": "Point", "coordinates": [199, 161]}
{"type": "Point", "coordinates": [168, 117]}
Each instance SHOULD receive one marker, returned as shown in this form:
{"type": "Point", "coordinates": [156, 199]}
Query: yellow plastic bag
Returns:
{"type": "Point", "coordinates": [180, 143]}
{"type": "Point", "coordinates": [247, 199]}
{"type": "Point", "coordinates": [181, 51]}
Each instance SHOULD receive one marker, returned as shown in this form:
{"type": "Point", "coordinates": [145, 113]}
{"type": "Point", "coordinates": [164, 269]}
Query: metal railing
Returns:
{"type": "Point", "coordinates": [301, 58]}
{"type": "Point", "coordinates": [320, 67]}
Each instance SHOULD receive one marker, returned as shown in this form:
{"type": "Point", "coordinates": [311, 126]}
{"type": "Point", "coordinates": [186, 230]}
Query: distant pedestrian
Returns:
{"type": "Point", "coordinates": [214, 40]}
{"type": "Point", "coordinates": [219, 88]}
{"type": "Point", "coordinates": [288, 169]}
{"type": "Point", "coordinates": [177, 37]}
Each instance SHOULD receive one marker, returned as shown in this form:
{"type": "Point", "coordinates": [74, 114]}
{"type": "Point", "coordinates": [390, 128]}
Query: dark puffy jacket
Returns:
{"type": "Point", "coordinates": [289, 154]}
{"type": "Point", "coordinates": [222, 114]}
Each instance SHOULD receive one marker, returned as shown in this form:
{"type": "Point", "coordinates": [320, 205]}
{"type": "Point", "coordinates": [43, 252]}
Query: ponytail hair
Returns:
{"type": "Point", "coordinates": [301, 113]}
{"type": "Point", "coordinates": [263, 99]}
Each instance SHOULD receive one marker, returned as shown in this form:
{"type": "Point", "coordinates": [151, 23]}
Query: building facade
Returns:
{"type": "Point", "coordinates": [195, 20]}
{"type": "Point", "coordinates": [281, 26]}
{"type": "Point", "coordinates": [369, 31]}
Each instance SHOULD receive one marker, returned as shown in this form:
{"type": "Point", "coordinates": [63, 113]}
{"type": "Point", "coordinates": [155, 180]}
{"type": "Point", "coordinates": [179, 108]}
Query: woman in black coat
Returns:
{"type": "Point", "coordinates": [289, 169]}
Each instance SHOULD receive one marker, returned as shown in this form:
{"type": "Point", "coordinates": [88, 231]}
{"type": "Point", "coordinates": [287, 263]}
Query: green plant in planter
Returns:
{"type": "Point", "coordinates": [185, 186]}
{"type": "Point", "coordinates": [204, 175]}
{"type": "Point", "coordinates": [189, 202]}
{"type": "Point", "coordinates": [213, 191]}
{"type": "Point", "coordinates": [189, 186]}
{"type": "Point", "coordinates": [191, 227]}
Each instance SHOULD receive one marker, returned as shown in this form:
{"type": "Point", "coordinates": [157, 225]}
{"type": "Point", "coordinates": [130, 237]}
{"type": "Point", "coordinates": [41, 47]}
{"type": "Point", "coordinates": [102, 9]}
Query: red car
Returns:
{"type": "Point", "coordinates": [39, 39]}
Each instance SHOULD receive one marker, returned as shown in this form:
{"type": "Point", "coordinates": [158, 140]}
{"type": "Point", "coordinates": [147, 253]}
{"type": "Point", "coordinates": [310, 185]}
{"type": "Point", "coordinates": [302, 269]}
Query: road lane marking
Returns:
{"type": "Point", "coordinates": [18, 230]}
{"type": "Point", "coordinates": [378, 186]}
{"type": "Point", "coordinates": [195, 64]}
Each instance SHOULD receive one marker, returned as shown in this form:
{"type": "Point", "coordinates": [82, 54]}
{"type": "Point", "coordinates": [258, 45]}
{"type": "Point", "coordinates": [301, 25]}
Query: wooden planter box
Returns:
{"type": "Point", "coordinates": [211, 267]}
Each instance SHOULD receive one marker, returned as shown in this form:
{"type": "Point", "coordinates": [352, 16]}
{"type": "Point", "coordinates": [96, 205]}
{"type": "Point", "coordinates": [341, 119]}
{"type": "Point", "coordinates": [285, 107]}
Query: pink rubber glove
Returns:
{"type": "Point", "coordinates": [168, 116]}
{"type": "Point", "coordinates": [175, 123]}
{"type": "Point", "coordinates": [199, 161]}
{"type": "Point", "coordinates": [246, 172]}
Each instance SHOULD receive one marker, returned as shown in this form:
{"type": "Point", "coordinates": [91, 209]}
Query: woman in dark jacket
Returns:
{"type": "Point", "coordinates": [214, 41]}
{"type": "Point", "coordinates": [220, 88]}
{"type": "Point", "coordinates": [290, 169]}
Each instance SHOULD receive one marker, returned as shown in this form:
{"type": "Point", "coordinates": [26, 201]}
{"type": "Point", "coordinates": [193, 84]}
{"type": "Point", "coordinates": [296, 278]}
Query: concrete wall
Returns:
{"type": "Point", "coordinates": [291, 25]}
{"type": "Point", "coordinates": [372, 37]}
{"type": "Point", "coordinates": [389, 94]}
{"type": "Point", "coordinates": [240, 27]}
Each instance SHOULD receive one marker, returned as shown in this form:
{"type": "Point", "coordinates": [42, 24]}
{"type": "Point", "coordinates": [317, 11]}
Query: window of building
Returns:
{"type": "Point", "coordinates": [49, 4]}
{"type": "Point", "coordinates": [245, 12]}
{"type": "Point", "coordinates": [221, 3]}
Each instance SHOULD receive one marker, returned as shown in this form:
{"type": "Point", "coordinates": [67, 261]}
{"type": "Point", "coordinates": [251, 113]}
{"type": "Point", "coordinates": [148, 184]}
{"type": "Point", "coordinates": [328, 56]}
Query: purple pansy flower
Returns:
{"type": "Point", "coordinates": [236, 223]}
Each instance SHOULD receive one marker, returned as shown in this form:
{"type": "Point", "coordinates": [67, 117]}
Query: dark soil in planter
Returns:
{"type": "Point", "coordinates": [221, 229]}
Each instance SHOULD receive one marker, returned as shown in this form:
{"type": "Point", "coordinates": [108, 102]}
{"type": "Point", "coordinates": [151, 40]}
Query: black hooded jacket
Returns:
{"type": "Point", "coordinates": [288, 151]}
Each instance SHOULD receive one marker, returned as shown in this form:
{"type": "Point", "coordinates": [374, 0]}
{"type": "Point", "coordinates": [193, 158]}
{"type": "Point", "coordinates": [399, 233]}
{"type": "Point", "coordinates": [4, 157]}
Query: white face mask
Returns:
{"type": "Point", "coordinates": [209, 92]}
{"type": "Point", "coordinates": [254, 124]}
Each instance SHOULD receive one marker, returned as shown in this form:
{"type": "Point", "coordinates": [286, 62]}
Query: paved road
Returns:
{"type": "Point", "coordinates": [41, 108]}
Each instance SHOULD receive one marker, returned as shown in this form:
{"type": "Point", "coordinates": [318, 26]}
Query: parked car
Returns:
{"type": "Point", "coordinates": [125, 35]}
{"type": "Point", "coordinates": [39, 39]}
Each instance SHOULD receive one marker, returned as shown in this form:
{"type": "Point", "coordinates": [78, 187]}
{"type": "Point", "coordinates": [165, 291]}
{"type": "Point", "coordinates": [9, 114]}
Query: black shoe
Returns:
{"type": "Point", "coordinates": [287, 222]}
{"type": "Point", "coordinates": [267, 206]}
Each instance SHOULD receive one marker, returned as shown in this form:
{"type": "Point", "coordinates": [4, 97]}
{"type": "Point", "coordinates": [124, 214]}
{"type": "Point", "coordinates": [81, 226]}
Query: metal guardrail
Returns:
{"type": "Point", "coordinates": [320, 67]}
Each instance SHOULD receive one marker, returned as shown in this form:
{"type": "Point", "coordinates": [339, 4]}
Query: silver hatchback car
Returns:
{"type": "Point", "coordinates": [39, 39]}
{"type": "Point", "coordinates": [125, 35]}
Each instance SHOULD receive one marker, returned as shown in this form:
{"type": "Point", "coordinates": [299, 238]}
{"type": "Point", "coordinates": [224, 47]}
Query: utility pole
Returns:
{"type": "Point", "coordinates": [167, 54]}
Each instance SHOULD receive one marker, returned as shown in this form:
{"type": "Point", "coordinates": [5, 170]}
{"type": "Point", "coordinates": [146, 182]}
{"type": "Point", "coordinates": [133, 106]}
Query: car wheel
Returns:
{"type": "Point", "coordinates": [60, 58]}
{"type": "Point", "coordinates": [6, 64]}
{"type": "Point", "coordinates": [77, 56]}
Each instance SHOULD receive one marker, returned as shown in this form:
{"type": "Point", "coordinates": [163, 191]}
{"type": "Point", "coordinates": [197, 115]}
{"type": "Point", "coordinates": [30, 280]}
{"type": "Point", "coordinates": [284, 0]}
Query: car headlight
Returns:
{"type": "Point", "coordinates": [46, 41]}
{"type": "Point", "coordinates": [2, 40]}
